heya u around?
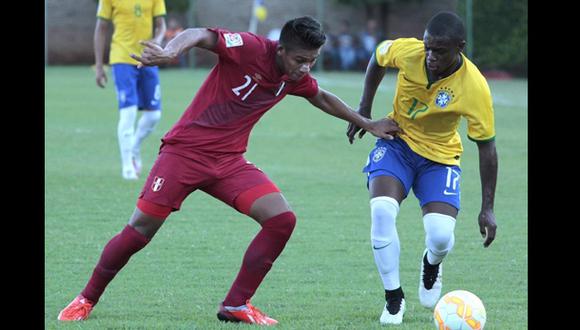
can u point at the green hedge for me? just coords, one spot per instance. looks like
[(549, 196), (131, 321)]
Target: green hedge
[(500, 33)]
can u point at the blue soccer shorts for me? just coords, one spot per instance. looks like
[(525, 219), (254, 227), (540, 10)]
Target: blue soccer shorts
[(430, 181), (138, 87)]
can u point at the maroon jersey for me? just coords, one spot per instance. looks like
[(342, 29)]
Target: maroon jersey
[(244, 84)]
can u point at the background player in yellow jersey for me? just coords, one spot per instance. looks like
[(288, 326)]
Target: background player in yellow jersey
[(137, 89), (436, 86)]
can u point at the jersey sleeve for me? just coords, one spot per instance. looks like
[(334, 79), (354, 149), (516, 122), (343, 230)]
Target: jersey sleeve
[(385, 53), (307, 87), (480, 117), (159, 8), (105, 9), (237, 47)]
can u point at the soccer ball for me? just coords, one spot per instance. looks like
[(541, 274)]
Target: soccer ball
[(459, 310)]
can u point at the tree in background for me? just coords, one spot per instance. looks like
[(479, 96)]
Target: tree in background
[(377, 9), (178, 6), (500, 33), (500, 30)]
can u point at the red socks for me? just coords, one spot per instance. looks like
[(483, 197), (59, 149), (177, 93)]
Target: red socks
[(114, 256), (262, 252), (259, 257)]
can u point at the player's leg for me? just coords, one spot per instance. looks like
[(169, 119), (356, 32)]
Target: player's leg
[(163, 192), (389, 183), (116, 253), (135, 236), (125, 76), (386, 194), (149, 92), (252, 193), (437, 188), (277, 220)]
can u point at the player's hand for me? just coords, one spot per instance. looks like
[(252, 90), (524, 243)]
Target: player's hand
[(100, 77), (353, 129), (385, 128), (153, 55), (487, 226)]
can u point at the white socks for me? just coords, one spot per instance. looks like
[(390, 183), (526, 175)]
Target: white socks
[(125, 133), (385, 240), (145, 126), (439, 237), (130, 141)]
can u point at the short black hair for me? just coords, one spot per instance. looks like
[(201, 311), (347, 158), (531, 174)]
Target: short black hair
[(447, 25), (302, 32)]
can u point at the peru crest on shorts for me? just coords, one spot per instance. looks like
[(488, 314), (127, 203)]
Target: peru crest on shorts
[(157, 183)]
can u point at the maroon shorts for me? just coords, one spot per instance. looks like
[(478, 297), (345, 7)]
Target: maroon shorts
[(174, 177)]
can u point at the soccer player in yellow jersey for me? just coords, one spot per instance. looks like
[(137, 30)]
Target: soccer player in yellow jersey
[(137, 88), (436, 86)]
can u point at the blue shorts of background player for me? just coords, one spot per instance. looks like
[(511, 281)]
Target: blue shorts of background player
[(138, 87), (431, 181)]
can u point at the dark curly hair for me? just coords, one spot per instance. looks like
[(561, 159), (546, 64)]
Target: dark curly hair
[(303, 33)]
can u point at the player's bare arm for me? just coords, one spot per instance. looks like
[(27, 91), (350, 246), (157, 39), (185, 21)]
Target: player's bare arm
[(154, 54), (385, 128), (373, 77), (160, 29), (101, 29), (488, 173)]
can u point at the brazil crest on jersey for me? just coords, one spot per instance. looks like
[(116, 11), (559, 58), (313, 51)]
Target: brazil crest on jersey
[(133, 21), (430, 113)]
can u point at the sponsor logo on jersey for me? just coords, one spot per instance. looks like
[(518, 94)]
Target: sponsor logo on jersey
[(379, 154), (385, 47), (157, 183), (233, 40)]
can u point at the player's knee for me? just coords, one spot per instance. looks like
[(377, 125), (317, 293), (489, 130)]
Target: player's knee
[(152, 117), (154, 210), (439, 230), (127, 118), (280, 229), (283, 224), (155, 115), (148, 217), (384, 212), (258, 201)]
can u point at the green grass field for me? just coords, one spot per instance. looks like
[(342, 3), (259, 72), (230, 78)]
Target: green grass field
[(326, 277)]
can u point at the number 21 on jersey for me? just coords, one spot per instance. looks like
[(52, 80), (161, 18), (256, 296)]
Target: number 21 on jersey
[(237, 90), (247, 82)]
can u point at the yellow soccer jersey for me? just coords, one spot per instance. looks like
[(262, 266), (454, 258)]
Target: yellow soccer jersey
[(430, 114), (133, 21)]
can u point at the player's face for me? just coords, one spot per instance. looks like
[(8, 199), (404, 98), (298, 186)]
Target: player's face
[(296, 63), (441, 53)]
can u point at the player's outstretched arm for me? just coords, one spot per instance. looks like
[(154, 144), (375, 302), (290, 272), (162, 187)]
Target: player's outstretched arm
[(488, 174), (385, 128), (154, 54), (373, 77)]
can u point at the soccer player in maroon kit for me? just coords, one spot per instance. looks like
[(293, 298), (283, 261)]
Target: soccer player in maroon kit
[(204, 150)]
